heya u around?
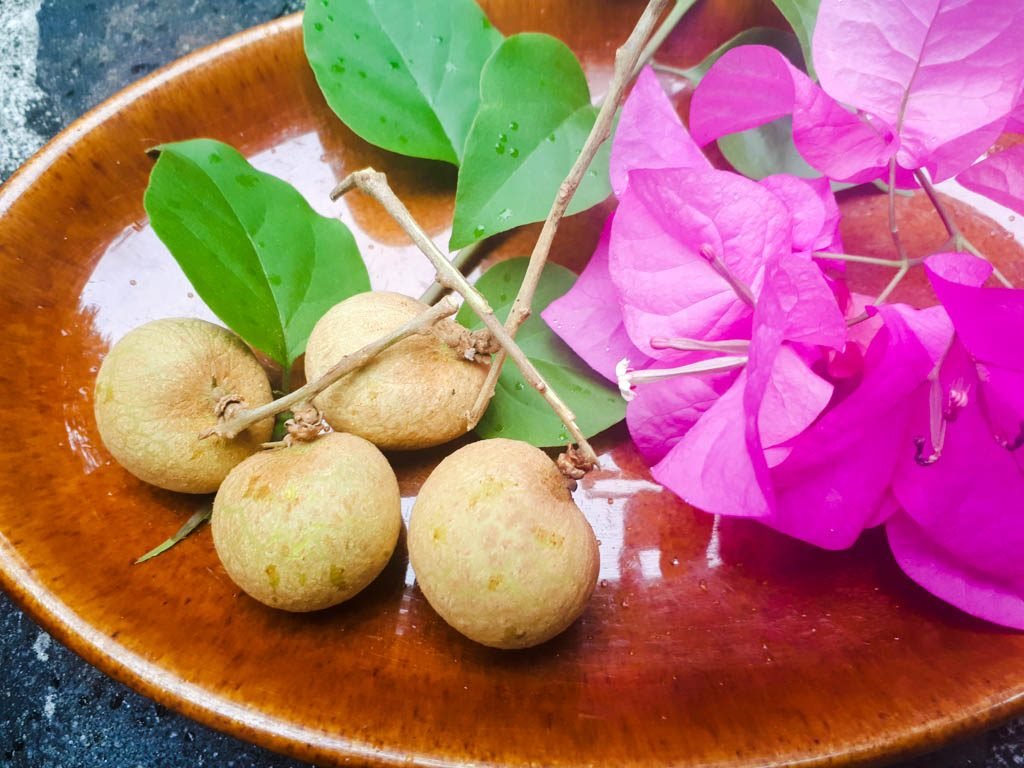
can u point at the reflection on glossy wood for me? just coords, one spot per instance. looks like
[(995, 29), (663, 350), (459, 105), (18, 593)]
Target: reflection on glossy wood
[(704, 645)]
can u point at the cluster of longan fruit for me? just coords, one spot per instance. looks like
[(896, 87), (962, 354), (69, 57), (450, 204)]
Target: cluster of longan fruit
[(499, 548)]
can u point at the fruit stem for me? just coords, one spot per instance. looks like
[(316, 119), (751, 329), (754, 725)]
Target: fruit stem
[(459, 260), (245, 418), (671, 20), (375, 184), (627, 58)]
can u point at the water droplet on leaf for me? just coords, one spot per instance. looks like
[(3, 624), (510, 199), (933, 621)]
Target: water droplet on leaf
[(479, 231), (513, 152), (505, 215)]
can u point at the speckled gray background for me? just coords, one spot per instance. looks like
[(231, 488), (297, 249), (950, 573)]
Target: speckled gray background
[(58, 58)]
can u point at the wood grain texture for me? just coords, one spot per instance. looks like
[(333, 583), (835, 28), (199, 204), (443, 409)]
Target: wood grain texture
[(762, 651)]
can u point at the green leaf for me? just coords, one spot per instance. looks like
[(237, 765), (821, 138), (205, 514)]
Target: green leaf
[(766, 150), (518, 411), (200, 516), (785, 42), (404, 76), (535, 114), (265, 262), (802, 15)]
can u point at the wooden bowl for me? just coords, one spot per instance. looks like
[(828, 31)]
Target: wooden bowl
[(704, 645)]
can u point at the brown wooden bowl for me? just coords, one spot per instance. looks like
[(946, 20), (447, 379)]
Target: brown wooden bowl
[(731, 646)]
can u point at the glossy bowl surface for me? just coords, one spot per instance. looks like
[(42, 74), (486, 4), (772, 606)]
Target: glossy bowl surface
[(710, 645)]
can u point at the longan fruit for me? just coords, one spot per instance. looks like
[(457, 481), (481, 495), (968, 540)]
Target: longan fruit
[(413, 395), (499, 548), (158, 389), (308, 526)]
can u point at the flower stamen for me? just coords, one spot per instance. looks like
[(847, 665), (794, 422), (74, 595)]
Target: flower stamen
[(726, 346), (628, 378), (741, 289)]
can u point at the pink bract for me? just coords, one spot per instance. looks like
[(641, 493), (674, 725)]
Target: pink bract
[(812, 208), (665, 220), (719, 465), (589, 316), (960, 533), (999, 177), (753, 84), (650, 134), (937, 71)]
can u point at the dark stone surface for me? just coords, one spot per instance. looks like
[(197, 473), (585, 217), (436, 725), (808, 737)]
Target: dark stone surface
[(55, 710)]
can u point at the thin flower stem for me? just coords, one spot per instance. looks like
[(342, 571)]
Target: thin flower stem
[(929, 189), (864, 259), (682, 74), (894, 230), (376, 185), (896, 280), (671, 20), (626, 58), (245, 418), (960, 242), (459, 260)]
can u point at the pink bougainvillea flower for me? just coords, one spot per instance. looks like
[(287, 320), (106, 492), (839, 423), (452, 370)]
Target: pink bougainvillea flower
[(999, 177), (961, 533), (650, 134), (836, 476), (830, 479), (753, 84), (718, 464), (934, 82), (941, 72), (682, 244)]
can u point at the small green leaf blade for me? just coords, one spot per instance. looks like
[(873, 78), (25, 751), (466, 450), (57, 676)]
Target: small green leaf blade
[(782, 41), (517, 410), (261, 258), (403, 76), (535, 115), (199, 517), (766, 150), (802, 15)]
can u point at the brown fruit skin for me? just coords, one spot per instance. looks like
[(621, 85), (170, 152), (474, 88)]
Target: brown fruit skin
[(413, 395), (499, 548), (309, 526), (157, 390)]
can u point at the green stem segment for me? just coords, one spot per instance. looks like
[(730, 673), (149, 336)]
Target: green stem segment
[(960, 242)]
